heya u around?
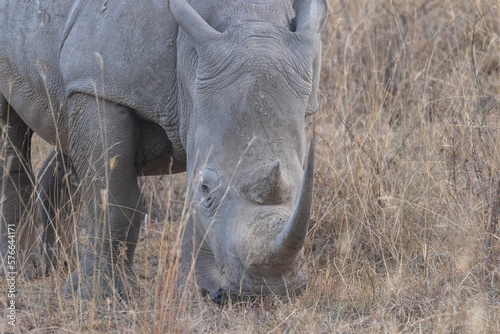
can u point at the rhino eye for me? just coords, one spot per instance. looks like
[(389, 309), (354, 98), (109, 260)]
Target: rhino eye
[(207, 188), (207, 196)]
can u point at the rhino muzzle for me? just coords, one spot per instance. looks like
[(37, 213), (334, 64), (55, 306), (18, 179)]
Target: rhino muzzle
[(270, 246)]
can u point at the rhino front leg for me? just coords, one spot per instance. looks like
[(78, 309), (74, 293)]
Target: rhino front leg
[(103, 141), (56, 201), (17, 229)]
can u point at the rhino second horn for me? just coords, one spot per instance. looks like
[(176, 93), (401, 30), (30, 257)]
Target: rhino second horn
[(265, 185), (291, 240)]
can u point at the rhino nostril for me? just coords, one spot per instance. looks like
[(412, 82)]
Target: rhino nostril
[(222, 297)]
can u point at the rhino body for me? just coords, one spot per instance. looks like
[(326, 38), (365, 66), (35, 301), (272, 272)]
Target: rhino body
[(219, 89)]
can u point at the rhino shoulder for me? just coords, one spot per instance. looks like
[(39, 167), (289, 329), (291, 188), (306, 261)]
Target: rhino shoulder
[(122, 51)]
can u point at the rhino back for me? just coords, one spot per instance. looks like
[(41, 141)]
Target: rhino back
[(124, 52), (29, 72)]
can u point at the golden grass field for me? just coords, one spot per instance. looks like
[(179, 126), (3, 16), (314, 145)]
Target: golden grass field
[(405, 235)]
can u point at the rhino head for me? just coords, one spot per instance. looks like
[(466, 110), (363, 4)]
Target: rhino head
[(246, 84)]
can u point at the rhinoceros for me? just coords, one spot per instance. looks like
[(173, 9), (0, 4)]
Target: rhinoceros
[(218, 89)]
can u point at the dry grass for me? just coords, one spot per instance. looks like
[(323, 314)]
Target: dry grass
[(405, 230)]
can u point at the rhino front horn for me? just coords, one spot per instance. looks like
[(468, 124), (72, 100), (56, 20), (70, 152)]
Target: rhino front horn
[(292, 238)]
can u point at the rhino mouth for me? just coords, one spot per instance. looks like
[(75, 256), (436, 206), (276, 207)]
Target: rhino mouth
[(224, 296), (250, 287)]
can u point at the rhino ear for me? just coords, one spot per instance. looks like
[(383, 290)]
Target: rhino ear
[(191, 22), (310, 15), (313, 103)]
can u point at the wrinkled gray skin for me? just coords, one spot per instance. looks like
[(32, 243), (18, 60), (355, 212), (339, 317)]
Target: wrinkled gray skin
[(224, 98)]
